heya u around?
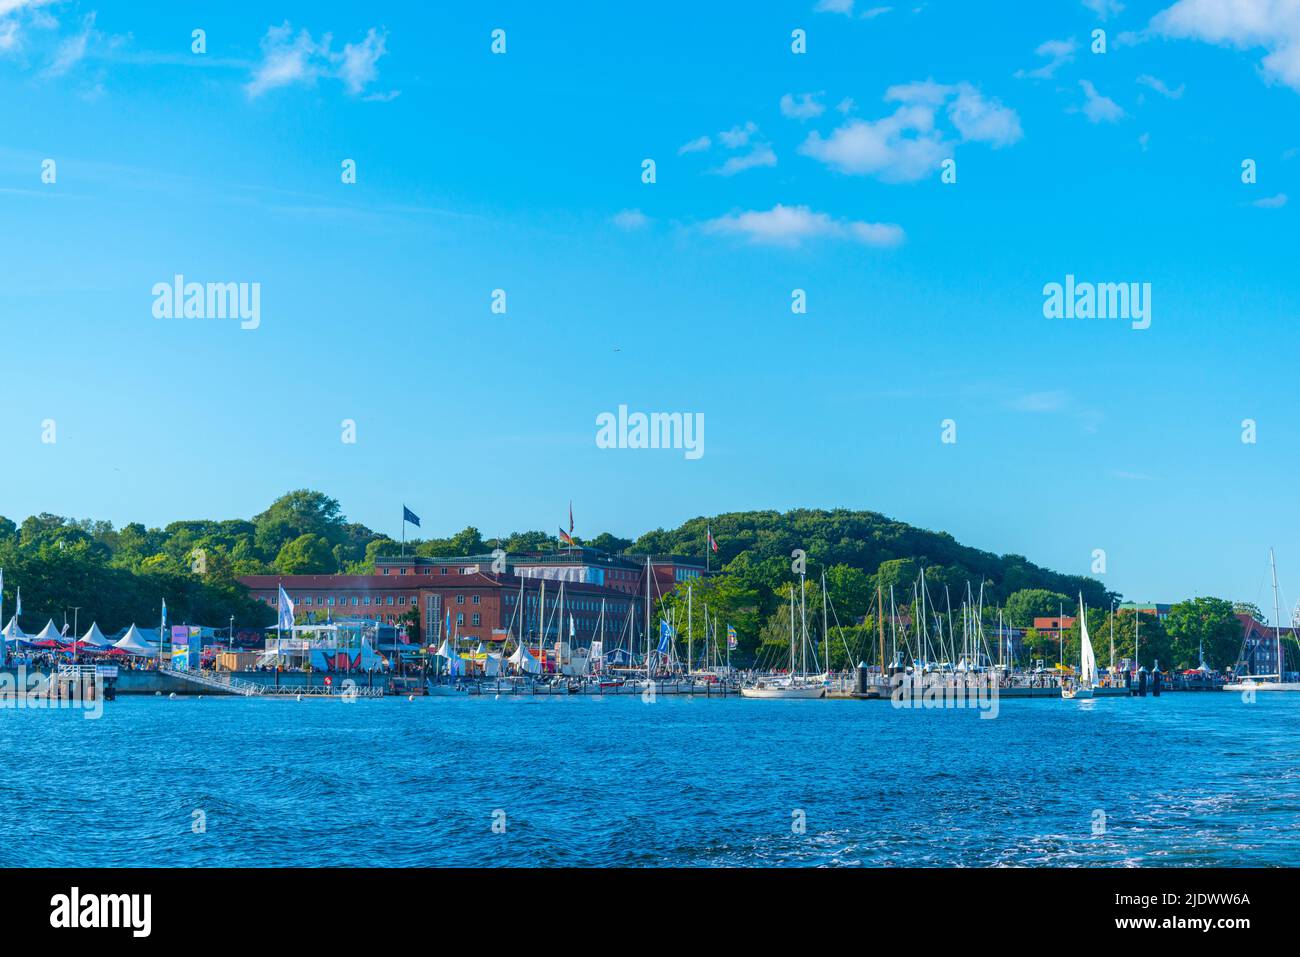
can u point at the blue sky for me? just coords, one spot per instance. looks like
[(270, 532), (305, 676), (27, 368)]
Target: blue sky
[(522, 171)]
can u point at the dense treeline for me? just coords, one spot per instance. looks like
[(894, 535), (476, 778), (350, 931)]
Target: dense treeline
[(118, 576)]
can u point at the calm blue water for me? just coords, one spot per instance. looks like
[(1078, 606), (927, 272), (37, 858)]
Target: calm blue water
[(1182, 780)]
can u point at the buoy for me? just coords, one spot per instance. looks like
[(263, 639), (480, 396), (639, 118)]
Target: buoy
[(172, 696), (299, 697), (410, 697), (157, 694)]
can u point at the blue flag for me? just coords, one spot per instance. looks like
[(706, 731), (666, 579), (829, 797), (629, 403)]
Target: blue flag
[(665, 637), (409, 516)]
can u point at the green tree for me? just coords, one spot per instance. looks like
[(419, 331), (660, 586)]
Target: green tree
[(1022, 607), (1204, 622), (305, 555)]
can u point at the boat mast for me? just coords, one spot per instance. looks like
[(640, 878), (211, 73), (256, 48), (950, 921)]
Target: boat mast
[(880, 623), (1137, 630), (1112, 639), (803, 622), (826, 630), (541, 626), (792, 630), (1277, 616), (649, 570), (690, 643)]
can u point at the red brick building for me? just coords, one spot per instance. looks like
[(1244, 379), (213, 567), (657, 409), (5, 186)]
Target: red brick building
[(482, 606)]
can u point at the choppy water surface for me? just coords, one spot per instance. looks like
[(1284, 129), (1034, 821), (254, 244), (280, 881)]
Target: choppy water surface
[(1186, 779)]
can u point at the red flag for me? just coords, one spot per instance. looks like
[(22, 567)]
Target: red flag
[(713, 542)]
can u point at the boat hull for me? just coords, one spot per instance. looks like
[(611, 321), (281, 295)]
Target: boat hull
[(1076, 693), (1263, 686), (777, 692)]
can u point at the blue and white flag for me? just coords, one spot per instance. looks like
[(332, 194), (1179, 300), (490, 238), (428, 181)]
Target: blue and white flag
[(286, 610), (18, 602), (409, 516), (665, 637)]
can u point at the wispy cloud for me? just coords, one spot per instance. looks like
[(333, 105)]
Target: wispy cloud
[(1160, 87), (1271, 202), (907, 145), (737, 138), (1052, 401), (1104, 9), (1098, 108), (292, 58), (630, 219), (1058, 53), (761, 155), (804, 106), (792, 225), (71, 50)]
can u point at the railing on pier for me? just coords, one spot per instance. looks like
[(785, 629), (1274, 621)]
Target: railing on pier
[(240, 686)]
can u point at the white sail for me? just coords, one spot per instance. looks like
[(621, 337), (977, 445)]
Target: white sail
[(1087, 660)]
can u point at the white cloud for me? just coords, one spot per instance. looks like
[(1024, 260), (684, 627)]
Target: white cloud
[(698, 145), (1144, 141), (1160, 87), (630, 219), (801, 107), (845, 105), (900, 148), (919, 91), (875, 12), (290, 59), (907, 145), (1273, 25), (9, 36), (738, 136), (761, 155), (1098, 108), (1052, 401), (286, 60), (834, 6), (1104, 8), (983, 121), (71, 50), (358, 64), (1271, 202), (1059, 52), (791, 225)]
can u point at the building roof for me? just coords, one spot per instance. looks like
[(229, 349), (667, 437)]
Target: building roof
[(327, 583)]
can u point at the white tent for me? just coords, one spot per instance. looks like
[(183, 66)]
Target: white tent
[(454, 664), (96, 637), (12, 632), (134, 643), (523, 660), (48, 633)]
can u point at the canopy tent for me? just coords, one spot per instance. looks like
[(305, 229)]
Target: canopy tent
[(454, 665), (48, 633), (133, 643), (94, 638), (12, 632), (523, 660)]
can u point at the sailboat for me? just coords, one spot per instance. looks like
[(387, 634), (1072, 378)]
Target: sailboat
[(1273, 682), (791, 685), (1087, 661)]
